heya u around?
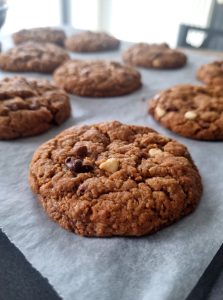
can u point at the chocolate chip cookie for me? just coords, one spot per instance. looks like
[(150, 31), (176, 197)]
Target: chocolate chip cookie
[(29, 107), (211, 73), (192, 111), (97, 78), (89, 41), (40, 35), (114, 179), (33, 57), (158, 56)]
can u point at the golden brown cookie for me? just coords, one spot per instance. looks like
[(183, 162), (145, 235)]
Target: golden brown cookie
[(211, 73), (158, 56), (40, 35), (90, 41), (97, 78), (30, 106), (192, 111), (112, 179), (33, 57)]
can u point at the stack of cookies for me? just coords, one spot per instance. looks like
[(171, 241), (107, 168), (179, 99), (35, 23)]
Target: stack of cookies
[(110, 178)]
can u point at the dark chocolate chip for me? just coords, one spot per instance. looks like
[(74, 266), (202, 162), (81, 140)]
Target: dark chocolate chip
[(69, 162), (76, 166), (171, 108), (81, 151), (87, 168)]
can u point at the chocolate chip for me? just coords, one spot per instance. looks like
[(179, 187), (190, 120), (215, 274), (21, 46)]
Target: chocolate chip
[(87, 168), (172, 108), (76, 166), (69, 162), (81, 151)]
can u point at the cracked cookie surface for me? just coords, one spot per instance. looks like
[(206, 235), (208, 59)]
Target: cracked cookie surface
[(211, 73), (158, 56), (138, 181), (97, 78), (29, 107), (33, 57), (40, 35), (191, 111), (90, 41)]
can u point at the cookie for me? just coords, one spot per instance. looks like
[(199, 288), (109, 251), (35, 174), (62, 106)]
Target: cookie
[(158, 56), (191, 111), (33, 57), (211, 73), (40, 35), (30, 106), (97, 78), (89, 41), (112, 179)]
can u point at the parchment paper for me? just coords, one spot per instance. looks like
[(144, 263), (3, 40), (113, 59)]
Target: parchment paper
[(165, 265)]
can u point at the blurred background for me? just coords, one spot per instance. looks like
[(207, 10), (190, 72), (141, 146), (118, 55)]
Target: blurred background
[(130, 20)]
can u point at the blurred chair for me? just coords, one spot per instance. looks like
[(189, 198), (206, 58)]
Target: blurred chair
[(213, 38), (3, 11), (65, 6)]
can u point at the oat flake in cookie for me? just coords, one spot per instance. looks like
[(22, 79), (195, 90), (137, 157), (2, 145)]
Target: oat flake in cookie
[(90, 41), (114, 179), (97, 78), (211, 73), (30, 106), (33, 57), (158, 56), (40, 35), (191, 111)]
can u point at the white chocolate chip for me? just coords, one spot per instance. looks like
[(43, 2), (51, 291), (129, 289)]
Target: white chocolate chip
[(191, 115), (155, 151), (160, 112), (110, 165)]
